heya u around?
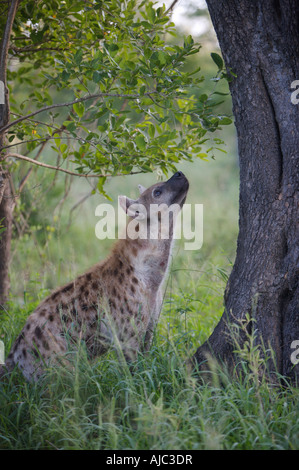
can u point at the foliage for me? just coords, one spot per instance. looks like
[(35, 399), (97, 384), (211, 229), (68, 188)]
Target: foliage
[(107, 88)]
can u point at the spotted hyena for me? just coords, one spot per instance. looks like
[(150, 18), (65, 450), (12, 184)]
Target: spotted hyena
[(118, 299)]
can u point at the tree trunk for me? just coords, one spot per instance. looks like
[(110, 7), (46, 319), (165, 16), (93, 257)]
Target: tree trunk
[(5, 192), (5, 239), (260, 43)]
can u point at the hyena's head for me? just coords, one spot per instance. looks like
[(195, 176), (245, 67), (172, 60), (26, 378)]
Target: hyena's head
[(157, 207)]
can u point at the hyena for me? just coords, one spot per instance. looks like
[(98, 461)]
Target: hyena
[(118, 299)]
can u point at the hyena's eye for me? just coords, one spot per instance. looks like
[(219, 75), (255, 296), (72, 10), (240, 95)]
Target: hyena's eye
[(157, 192)]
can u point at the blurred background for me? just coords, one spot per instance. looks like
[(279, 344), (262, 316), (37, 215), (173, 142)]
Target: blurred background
[(57, 240)]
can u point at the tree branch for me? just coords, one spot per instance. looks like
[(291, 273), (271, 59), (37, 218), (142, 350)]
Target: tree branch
[(70, 103), (52, 167), (171, 7), (81, 201), (4, 46), (43, 144), (6, 39), (34, 49), (25, 178)]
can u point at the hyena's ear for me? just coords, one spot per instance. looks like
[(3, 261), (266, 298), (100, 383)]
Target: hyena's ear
[(141, 188), (125, 203)]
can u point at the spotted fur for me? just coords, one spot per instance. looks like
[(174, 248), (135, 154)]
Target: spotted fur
[(119, 298)]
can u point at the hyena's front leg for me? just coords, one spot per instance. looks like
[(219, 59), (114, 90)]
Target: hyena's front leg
[(148, 337)]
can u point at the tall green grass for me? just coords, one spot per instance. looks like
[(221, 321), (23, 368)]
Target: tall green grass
[(156, 402)]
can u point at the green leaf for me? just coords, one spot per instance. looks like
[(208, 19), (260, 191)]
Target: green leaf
[(151, 13), (65, 76), (225, 121), (63, 147), (70, 125), (79, 109), (220, 93), (151, 130), (96, 77), (140, 142), (188, 41), (218, 60), (78, 56), (162, 57), (100, 187)]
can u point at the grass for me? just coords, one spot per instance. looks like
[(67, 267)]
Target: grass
[(154, 405), (157, 403)]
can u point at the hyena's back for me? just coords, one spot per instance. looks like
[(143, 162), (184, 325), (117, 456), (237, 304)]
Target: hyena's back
[(90, 308)]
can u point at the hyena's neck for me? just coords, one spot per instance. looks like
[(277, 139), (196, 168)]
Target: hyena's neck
[(148, 258)]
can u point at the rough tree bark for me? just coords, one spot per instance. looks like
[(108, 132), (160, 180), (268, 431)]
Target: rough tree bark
[(5, 192), (260, 43)]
